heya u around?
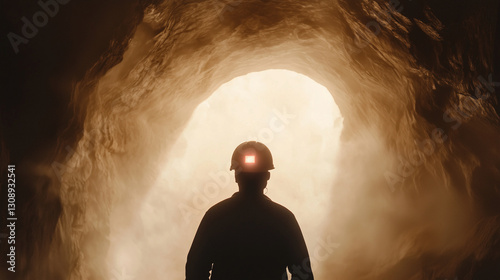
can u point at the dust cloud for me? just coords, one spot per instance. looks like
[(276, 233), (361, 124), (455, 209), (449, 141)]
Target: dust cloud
[(290, 113)]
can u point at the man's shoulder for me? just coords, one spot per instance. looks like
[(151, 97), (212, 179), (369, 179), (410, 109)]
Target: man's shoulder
[(280, 208), (235, 202), (222, 205)]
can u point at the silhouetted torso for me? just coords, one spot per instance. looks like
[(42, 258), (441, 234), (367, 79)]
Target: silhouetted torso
[(248, 237)]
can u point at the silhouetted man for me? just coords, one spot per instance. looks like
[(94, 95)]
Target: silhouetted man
[(248, 236)]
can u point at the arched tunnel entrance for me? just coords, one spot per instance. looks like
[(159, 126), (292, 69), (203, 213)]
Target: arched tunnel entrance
[(290, 113), (107, 124)]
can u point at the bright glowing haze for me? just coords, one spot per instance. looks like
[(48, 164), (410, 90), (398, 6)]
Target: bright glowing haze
[(290, 113)]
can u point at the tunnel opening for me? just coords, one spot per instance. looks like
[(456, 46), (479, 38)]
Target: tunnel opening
[(292, 114)]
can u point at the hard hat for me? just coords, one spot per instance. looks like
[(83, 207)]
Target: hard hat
[(252, 156)]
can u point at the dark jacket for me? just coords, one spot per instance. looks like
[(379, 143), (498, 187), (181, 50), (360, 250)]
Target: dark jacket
[(248, 237)]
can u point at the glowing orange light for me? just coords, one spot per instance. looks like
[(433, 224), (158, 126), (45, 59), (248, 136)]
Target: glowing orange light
[(249, 159)]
